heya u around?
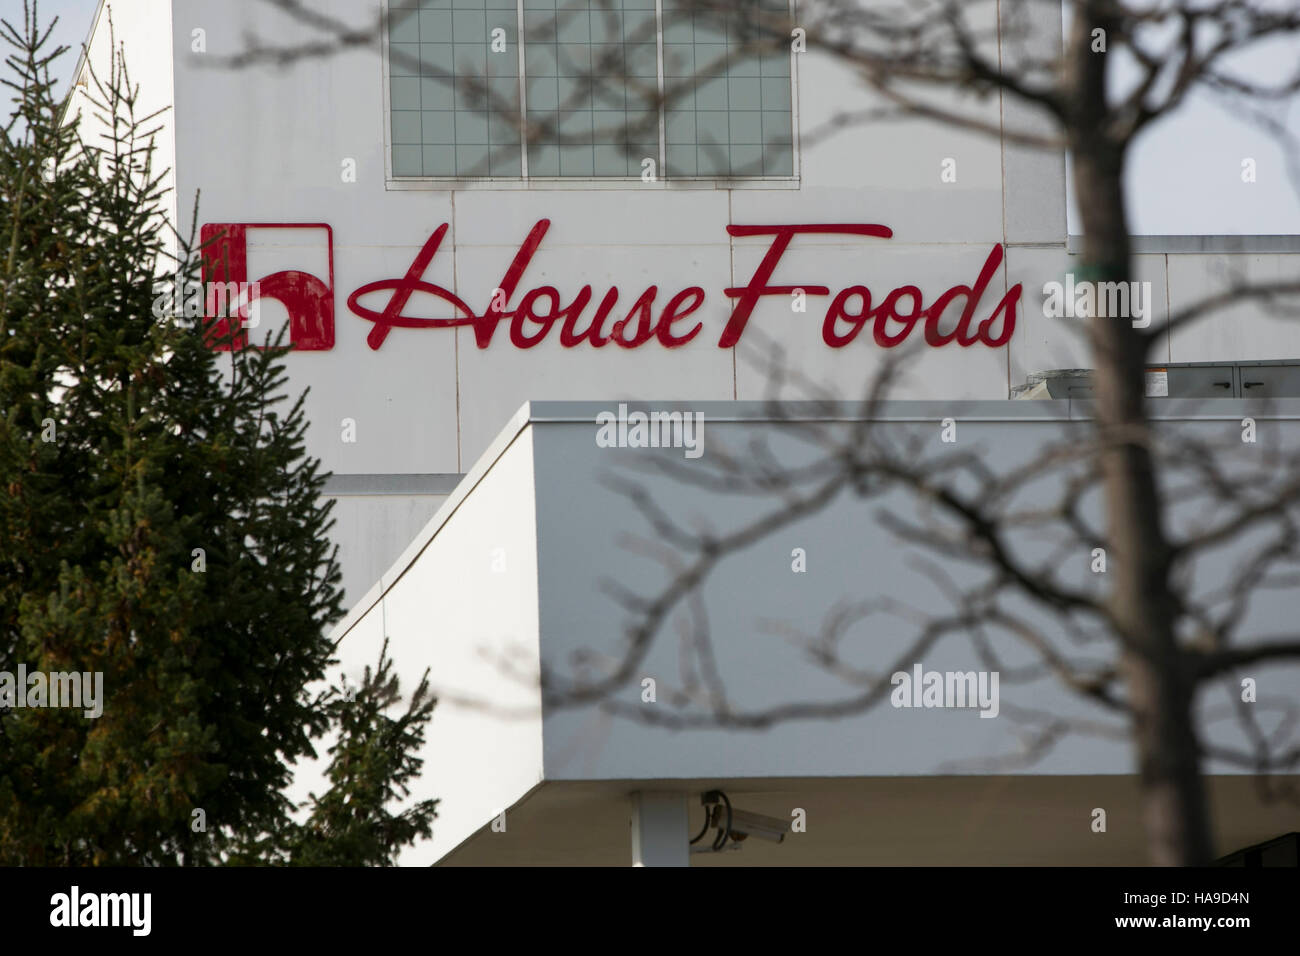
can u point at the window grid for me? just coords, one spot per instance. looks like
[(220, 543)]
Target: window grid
[(736, 121), (662, 159)]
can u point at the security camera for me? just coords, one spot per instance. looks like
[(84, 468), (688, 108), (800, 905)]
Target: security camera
[(735, 826), (746, 824)]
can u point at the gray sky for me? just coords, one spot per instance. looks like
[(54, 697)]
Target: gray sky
[(72, 28), (1185, 174)]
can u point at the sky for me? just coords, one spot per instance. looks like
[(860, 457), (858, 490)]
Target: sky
[(71, 30), (1186, 174)]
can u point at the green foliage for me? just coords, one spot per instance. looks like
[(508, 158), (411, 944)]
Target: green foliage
[(371, 763), (126, 443)]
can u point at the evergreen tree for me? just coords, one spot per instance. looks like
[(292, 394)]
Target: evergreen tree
[(371, 763), (160, 524)]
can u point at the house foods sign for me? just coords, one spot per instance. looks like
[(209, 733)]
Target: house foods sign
[(531, 314)]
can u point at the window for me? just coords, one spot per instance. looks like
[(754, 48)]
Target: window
[(605, 89)]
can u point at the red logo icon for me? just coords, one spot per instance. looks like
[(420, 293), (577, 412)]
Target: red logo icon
[(308, 298)]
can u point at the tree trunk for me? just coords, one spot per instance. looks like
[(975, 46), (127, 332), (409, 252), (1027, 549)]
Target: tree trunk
[(1160, 691)]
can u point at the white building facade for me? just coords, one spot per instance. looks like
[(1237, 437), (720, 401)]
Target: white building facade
[(437, 277)]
